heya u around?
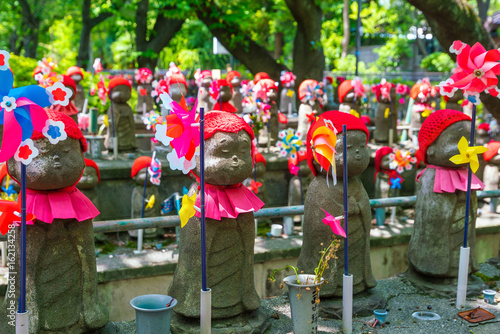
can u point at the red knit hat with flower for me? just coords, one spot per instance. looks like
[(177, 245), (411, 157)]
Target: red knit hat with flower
[(70, 127), (303, 87), (117, 81), (433, 126), (381, 152), (230, 76), (91, 163), (338, 119), (268, 84), (223, 121), (177, 78), (344, 88), (68, 82), (493, 149), (140, 163), (484, 126)]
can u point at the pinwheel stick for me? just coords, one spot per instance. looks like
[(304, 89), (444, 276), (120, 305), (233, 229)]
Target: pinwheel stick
[(140, 233), (86, 102), (22, 299), (346, 239), (469, 178)]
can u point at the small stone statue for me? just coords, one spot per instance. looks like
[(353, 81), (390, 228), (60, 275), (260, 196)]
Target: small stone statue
[(119, 91), (310, 106), (269, 97), (61, 277), (258, 177), (387, 114), (91, 177), (323, 194), (492, 171), (221, 92), (452, 102), (76, 73), (230, 227), (204, 80), (421, 93), (140, 176), (69, 109), (350, 94), (11, 189), (145, 102), (234, 78), (288, 104), (296, 191), (434, 247)]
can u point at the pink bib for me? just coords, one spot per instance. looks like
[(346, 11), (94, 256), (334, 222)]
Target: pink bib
[(448, 180)]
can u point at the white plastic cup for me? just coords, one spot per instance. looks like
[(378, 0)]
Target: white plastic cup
[(276, 230)]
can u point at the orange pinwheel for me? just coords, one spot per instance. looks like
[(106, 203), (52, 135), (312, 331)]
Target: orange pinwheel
[(10, 213), (324, 137)]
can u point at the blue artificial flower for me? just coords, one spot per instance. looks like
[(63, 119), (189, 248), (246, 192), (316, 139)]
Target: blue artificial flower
[(54, 131)]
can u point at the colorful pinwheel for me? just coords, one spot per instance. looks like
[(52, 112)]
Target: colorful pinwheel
[(323, 139), (477, 71), (154, 170), (401, 161), (334, 223), (468, 154), (21, 112), (97, 66), (254, 186), (287, 79), (10, 213), (143, 76), (289, 142)]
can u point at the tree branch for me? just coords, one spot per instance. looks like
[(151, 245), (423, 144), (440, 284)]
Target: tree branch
[(254, 56), (99, 19)]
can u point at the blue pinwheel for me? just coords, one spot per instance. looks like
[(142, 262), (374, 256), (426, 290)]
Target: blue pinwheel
[(395, 183), (21, 112)]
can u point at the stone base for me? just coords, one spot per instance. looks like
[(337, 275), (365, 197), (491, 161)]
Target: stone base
[(122, 327), (256, 322), (443, 287), (363, 305)]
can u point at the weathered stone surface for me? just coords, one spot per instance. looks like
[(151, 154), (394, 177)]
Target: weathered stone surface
[(123, 117), (329, 197), (363, 304), (229, 242), (79, 99), (237, 97), (434, 248), (382, 123), (141, 99), (274, 125), (288, 103)]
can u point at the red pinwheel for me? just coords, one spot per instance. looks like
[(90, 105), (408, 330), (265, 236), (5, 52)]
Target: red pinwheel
[(254, 186), (21, 112), (143, 76), (477, 71), (185, 136), (10, 213)]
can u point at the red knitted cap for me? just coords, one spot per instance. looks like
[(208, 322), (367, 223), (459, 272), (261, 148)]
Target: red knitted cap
[(70, 127), (206, 73), (116, 81), (484, 126), (344, 89), (260, 158), (230, 76), (68, 82), (91, 163), (140, 163), (72, 70), (259, 76), (492, 146), (268, 84), (303, 87), (434, 125), (177, 78), (338, 119)]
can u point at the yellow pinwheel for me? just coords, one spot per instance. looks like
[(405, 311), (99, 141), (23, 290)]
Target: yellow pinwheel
[(187, 210), (151, 202), (468, 154)]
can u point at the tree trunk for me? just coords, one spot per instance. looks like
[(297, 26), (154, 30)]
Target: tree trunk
[(278, 45), (347, 29), (159, 37), (254, 56), (482, 8), (88, 23), (461, 23), (32, 26), (308, 55)]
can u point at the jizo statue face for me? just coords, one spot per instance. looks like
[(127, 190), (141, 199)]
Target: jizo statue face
[(120, 94), (76, 78), (56, 166), (225, 93), (140, 176), (358, 156), (236, 81), (176, 91), (272, 95), (446, 145), (228, 158)]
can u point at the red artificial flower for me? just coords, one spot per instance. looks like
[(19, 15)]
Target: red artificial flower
[(254, 186), (25, 152), (59, 94)]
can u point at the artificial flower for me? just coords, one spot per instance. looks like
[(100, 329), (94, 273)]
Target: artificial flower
[(289, 142), (97, 66), (26, 152), (254, 186), (54, 131), (59, 94), (4, 60)]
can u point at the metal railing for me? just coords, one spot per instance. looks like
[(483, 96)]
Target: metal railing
[(122, 225)]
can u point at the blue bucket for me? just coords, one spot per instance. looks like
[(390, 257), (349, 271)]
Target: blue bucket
[(380, 216), (152, 315), (380, 315)]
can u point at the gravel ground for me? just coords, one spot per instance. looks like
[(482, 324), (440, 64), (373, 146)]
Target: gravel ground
[(403, 300)]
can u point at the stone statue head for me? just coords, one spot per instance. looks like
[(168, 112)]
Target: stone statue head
[(228, 149), (177, 91), (76, 78), (120, 90), (57, 165), (140, 171), (236, 81), (91, 176), (225, 93)]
